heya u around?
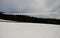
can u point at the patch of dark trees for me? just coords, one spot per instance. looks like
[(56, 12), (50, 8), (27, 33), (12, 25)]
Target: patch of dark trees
[(24, 18)]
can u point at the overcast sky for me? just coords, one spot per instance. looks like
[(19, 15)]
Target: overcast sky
[(50, 8), (29, 5)]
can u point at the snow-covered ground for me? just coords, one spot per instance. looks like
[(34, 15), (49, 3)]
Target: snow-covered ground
[(28, 30), (2, 20), (34, 8)]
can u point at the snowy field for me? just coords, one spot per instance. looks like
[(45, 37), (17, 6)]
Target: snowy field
[(1, 20), (33, 8), (28, 30)]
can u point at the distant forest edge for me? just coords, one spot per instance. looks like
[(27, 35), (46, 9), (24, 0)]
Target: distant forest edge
[(25, 18)]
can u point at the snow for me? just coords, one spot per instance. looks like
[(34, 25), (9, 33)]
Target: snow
[(28, 30), (34, 8), (2, 20)]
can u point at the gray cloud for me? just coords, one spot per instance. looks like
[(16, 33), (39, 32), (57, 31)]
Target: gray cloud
[(31, 6), (27, 5)]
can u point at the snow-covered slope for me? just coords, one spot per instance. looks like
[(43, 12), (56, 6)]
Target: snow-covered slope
[(28, 30), (2, 20)]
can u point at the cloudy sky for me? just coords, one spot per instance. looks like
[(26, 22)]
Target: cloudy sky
[(29, 5), (41, 7)]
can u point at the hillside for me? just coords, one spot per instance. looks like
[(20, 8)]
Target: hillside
[(24, 18)]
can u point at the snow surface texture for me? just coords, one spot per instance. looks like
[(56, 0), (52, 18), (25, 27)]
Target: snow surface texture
[(35, 8), (28, 30)]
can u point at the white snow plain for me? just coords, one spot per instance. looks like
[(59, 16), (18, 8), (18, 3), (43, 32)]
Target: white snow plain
[(28, 30)]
